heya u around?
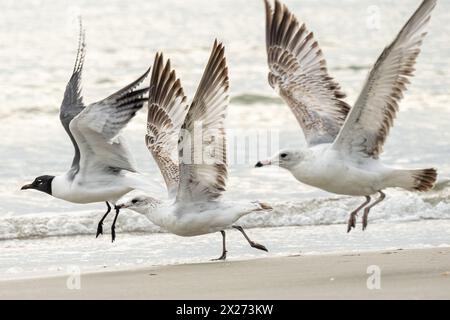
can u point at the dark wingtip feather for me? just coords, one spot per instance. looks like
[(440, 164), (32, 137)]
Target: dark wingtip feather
[(216, 72), (164, 84), (79, 61), (131, 88)]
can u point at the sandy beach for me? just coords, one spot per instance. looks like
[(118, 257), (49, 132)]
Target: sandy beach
[(404, 274)]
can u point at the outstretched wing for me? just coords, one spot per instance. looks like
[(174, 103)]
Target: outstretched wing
[(167, 110), (97, 130), (298, 73), (372, 117), (203, 159), (72, 103)]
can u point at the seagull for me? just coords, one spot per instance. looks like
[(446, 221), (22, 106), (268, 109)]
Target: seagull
[(344, 144), (196, 175), (103, 168)]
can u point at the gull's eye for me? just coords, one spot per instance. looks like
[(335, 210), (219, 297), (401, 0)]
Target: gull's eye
[(283, 155), (134, 201)]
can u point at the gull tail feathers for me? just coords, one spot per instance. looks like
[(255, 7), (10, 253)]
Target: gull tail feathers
[(414, 180)]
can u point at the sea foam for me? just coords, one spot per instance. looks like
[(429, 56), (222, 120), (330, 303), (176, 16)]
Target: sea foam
[(399, 206)]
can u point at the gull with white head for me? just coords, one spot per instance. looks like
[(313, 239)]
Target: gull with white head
[(344, 144), (196, 175)]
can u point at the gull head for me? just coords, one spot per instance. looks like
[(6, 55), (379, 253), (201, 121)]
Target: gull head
[(139, 203), (286, 159), (42, 184)]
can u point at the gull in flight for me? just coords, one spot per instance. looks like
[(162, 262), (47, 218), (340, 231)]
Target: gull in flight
[(344, 144), (196, 175), (102, 169)]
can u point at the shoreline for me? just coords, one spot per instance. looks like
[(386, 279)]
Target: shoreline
[(404, 274), (22, 259)]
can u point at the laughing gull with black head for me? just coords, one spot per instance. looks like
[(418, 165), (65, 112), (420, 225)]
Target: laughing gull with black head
[(103, 169), (344, 145)]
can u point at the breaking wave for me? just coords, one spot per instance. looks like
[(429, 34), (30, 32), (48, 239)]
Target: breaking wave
[(399, 207)]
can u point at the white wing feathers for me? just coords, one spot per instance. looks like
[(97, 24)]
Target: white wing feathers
[(372, 117), (97, 128), (203, 159)]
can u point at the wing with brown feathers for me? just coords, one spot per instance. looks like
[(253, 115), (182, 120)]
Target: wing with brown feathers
[(167, 110), (203, 158), (299, 74)]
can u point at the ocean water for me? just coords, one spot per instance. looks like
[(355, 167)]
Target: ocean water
[(38, 40)]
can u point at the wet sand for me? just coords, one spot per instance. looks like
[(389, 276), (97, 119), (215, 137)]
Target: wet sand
[(409, 274)]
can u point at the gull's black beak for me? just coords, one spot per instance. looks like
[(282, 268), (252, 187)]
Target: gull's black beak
[(259, 165), (27, 187)]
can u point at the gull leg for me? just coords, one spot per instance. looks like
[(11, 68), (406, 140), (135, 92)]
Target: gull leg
[(354, 215), (367, 210), (252, 243), (113, 227), (224, 252), (100, 224)]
